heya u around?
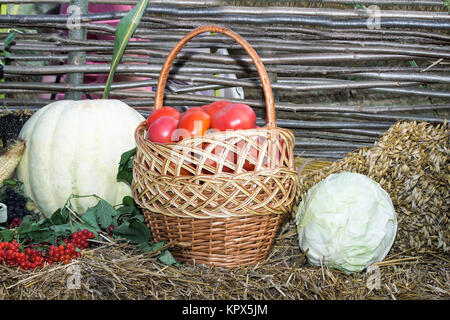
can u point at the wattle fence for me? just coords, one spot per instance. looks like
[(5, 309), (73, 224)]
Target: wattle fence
[(342, 72)]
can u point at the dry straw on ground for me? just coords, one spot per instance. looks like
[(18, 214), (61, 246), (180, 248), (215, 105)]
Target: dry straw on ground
[(121, 271)]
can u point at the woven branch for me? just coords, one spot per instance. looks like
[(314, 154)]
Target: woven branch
[(353, 71)]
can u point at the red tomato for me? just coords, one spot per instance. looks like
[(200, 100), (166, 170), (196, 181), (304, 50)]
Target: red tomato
[(266, 162), (161, 129), (231, 158), (161, 112), (194, 123), (179, 134), (212, 108), (234, 117), (193, 109), (183, 171), (219, 151), (252, 152)]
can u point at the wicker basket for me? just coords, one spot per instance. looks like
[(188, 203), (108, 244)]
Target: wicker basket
[(218, 199)]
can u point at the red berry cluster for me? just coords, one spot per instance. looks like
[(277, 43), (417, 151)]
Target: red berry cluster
[(28, 259), (61, 253), (80, 239), (31, 258)]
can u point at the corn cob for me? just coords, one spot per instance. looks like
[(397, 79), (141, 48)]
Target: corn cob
[(10, 158)]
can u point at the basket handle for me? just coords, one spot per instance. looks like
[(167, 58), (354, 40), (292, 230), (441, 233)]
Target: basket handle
[(270, 107)]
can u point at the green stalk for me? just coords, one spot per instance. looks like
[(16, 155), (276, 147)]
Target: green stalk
[(124, 31)]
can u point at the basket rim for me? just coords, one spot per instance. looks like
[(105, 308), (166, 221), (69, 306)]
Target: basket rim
[(185, 144), (140, 132)]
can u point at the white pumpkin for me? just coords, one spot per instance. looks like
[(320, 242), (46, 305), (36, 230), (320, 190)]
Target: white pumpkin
[(74, 147)]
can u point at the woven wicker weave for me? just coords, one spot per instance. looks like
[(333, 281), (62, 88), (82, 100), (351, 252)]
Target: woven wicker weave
[(218, 198)]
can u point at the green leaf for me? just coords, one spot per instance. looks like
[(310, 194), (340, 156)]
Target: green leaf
[(12, 183), (35, 231), (78, 226), (105, 213), (125, 175), (135, 232), (129, 207), (127, 156), (124, 31), (27, 226), (126, 210), (128, 201), (62, 230), (115, 222), (40, 236), (167, 258), (6, 235), (90, 217), (147, 247), (44, 223), (100, 216), (60, 216), (139, 218), (125, 172), (413, 64), (10, 38)]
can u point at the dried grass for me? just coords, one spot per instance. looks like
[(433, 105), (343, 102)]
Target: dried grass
[(121, 271)]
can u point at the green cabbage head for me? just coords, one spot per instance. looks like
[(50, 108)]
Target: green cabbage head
[(347, 221)]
